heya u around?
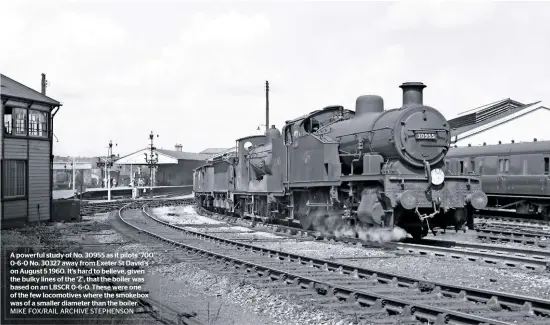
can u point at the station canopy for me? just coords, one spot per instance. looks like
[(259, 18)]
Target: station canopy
[(138, 158), (68, 165)]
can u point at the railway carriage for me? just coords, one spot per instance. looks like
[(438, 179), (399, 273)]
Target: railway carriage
[(514, 176), (333, 167)]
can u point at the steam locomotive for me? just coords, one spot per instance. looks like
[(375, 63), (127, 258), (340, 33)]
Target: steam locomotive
[(372, 167)]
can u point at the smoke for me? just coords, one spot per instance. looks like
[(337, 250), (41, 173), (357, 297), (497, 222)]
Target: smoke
[(333, 224)]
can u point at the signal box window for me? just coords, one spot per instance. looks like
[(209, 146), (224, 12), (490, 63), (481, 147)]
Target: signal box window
[(14, 180), (15, 121), (38, 124)]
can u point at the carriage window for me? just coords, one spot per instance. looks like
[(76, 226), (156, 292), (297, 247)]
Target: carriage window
[(501, 165), (472, 166), (546, 165), (481, 167), (506, 165), (462, 167)]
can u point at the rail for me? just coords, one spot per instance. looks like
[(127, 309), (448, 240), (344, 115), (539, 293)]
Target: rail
[(421, 311)]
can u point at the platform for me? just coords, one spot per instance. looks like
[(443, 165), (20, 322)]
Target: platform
[(126, 192), (123, 192)]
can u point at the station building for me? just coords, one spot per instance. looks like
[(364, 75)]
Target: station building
[(26, 153), (175, 167)]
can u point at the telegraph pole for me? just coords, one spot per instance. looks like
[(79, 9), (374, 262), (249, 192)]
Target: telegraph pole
[(152, 160), (266, 106)]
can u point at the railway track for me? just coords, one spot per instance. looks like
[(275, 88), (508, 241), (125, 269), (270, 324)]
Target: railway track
[(538, 260), (517, 226), (511, 234), (88, 208), (491, 254), (517, 231), (368, 294), (509, 216)]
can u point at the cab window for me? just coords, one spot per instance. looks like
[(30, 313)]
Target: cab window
[(311, 125), (288, 135)]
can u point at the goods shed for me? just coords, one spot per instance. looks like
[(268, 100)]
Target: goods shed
[(26, 153), (504, 121)]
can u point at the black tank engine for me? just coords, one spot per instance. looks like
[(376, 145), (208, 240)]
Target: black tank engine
[(371, 167)]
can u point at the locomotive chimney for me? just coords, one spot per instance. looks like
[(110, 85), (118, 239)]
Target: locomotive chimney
[(412, 93), (43, 84)]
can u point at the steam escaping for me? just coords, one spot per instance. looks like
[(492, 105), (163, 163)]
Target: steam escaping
[(334, 224)]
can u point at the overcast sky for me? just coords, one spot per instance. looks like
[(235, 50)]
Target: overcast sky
[(194, 72)]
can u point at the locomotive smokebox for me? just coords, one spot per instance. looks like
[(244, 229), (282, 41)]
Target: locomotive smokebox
[(412, 93), (369, 104)]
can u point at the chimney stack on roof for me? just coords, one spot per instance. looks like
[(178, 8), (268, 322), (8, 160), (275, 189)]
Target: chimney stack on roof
[(178, 147)]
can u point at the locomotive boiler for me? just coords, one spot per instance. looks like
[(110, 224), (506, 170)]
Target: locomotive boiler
[(370, 167)]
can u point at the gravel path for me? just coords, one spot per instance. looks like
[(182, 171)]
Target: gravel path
[(327, 250), (182, 215), (187, 196)]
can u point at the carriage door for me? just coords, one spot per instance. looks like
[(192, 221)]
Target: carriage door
[(546, 177), (503, 169)]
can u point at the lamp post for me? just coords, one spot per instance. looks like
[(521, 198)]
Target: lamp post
[(107, 163), (266, 106), (73, 175), (152, 159), (65, 171)]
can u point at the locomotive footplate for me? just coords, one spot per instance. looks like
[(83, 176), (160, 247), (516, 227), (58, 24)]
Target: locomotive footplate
[(415, 193)]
